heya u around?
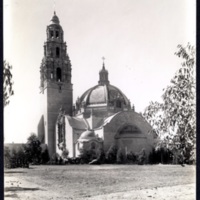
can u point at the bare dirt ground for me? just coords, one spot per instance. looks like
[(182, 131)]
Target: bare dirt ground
[(160, 182)]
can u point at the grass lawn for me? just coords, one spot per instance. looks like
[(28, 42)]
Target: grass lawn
[(101, 182)]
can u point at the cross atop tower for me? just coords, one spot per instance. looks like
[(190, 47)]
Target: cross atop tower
[(103, 58), (54, 6)]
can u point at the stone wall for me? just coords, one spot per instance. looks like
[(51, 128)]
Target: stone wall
[(135, 141), (54, 98)]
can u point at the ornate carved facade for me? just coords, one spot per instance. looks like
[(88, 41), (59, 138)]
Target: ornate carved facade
[(61, 130), (56, 65)]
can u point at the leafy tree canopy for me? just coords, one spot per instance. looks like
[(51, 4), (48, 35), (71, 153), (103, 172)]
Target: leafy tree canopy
[(7, 83), (33, 149), (174, 119)]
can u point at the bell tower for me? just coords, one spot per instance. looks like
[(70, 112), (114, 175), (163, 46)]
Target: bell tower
[(55, 83)]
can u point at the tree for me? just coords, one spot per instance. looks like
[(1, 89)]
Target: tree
[(45, 156), (7, 83), (154, 115), (174, 119), (33, 149), (7, 156)]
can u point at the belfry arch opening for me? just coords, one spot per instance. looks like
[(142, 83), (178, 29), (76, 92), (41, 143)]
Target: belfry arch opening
[(57, 34), (59, 74), (57, 52), (51, 34)]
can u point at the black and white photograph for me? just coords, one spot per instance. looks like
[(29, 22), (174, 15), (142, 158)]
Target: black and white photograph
[(99, 99)]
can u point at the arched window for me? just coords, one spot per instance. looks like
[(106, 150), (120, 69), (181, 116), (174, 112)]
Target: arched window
[(57, 34), (118, 104), (57, 52), (51, 34), (129, 129), (58, 74)]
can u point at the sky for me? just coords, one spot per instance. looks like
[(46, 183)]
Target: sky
[(137, 38)]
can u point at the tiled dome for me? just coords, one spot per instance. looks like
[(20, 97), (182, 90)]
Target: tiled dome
[(104, 98), (88, 135), (103, 94)]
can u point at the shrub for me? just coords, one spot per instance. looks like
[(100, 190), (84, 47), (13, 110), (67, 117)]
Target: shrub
[(120, 156), (45, 156), (141, 157), (167, 156), (162, 155), (101, 156), (65, 154), (21, 157), (87, 155), (15, 158), (7, 157), (111, 154), (177, 157), (131, 157), (72, 161), (55, 159), (153, 157)]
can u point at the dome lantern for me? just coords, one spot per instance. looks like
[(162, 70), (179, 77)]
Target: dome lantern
[(103, 75)]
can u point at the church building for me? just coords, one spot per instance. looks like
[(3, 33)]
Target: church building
[(101, 117)]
